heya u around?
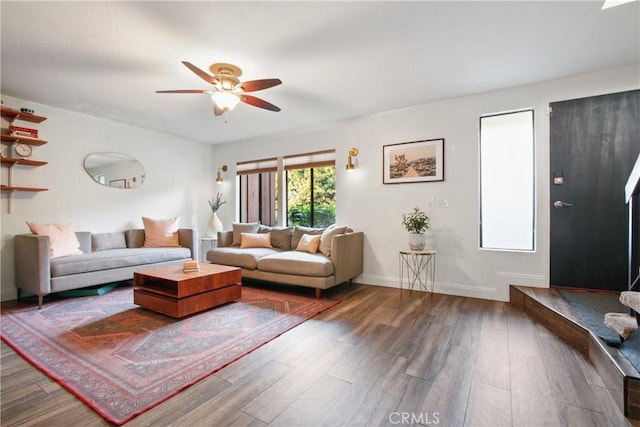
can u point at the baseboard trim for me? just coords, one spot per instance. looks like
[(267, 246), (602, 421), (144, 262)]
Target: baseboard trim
[(8, 295), (441, 288)]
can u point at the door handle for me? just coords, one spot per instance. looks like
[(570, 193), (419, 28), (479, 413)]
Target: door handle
[(561, 204)]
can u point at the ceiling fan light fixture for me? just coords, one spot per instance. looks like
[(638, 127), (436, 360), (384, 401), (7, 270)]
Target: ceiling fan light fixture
[(225, 100), (227, 89)]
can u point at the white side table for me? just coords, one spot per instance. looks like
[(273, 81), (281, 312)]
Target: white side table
[(207, 243), (418, 269)]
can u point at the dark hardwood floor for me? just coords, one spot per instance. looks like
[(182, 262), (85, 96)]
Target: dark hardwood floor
[(381, 357)]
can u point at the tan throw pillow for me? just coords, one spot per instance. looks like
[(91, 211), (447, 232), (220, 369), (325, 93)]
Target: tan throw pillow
[(256, 240), (327, 238), (309, 243), (298, 232), (62, 238), (160, 233), (243, 227)]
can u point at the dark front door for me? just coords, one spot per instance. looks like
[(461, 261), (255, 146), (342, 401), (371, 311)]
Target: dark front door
[(594, 143)]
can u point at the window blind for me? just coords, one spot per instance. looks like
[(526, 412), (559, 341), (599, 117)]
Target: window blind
[(310, 160), (257, 166)]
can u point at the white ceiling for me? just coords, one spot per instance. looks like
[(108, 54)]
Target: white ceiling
[(337, 60)]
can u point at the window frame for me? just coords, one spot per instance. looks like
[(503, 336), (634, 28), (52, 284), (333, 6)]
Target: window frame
[(532, 240), (279, 166)]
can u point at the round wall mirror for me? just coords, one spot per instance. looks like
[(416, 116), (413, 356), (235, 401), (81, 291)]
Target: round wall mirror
[(114, 170)]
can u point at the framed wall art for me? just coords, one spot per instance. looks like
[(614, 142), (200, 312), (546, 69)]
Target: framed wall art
[(416, 161)]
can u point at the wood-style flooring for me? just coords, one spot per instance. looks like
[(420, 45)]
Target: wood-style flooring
[(380, 358)]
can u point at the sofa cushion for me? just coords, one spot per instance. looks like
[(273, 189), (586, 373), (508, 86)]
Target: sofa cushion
[(280, 236), (115, 258), (327, 237), (243, 258), (104, 241), (256, 240), (309, 243), (161, 232), (298, 232), (62, 239), (243, 227), (297, 263), (134, 238)]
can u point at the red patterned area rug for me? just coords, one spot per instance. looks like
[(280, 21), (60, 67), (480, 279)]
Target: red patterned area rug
[(122, 360)]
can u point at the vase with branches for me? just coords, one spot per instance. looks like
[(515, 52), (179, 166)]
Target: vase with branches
[(214, 225), (216, 203)]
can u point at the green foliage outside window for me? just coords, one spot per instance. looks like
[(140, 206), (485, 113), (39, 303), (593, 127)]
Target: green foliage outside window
[(309, 208)]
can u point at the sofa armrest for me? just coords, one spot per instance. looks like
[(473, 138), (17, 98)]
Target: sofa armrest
[(225, 239), (347, 255), (188, 238), (32, 264)]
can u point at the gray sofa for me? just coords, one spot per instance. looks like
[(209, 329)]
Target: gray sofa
[(106, 258), (283, 264)]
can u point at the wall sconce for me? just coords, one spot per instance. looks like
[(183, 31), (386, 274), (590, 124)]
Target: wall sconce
[(219, 179), (352, 153)]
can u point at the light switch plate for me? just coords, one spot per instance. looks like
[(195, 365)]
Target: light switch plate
[(443, 202)]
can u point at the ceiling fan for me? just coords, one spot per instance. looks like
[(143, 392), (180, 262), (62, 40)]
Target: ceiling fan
[(227, 89)]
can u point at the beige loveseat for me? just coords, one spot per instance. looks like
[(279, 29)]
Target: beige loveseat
[(338, 259), (105, 258)]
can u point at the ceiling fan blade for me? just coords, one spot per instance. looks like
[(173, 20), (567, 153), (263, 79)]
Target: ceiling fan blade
[(257, 102), (255, 85), (184, 91), (202, 74), (217, 110)]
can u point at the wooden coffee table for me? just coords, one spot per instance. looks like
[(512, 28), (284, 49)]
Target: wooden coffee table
[(170, 291)]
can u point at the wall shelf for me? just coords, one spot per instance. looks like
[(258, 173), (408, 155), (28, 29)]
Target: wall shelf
[(12, 114), (30, 189), (26, 162), (9, 115), (12, 139)]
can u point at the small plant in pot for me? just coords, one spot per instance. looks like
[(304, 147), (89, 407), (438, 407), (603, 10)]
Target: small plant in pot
[(416, 223)]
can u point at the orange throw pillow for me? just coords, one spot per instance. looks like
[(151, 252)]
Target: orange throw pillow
[(256, 240), (62, 238), (161, 233), (309, 243)]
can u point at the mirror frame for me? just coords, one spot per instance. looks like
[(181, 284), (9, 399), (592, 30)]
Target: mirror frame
[(114, 170)]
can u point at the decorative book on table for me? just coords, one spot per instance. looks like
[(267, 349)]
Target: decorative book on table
[(191, 265)]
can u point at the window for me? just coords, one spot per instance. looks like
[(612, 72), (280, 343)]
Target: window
[(311, 191), (507, 185), (257, 184)]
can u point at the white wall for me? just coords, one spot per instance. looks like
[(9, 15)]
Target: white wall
[(365, 204), (180, 174), (179, 180)]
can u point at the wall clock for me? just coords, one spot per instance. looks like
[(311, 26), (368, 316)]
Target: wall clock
[(23, 150)]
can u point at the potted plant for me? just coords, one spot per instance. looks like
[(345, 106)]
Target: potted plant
[(214, 225), (416, 223)]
